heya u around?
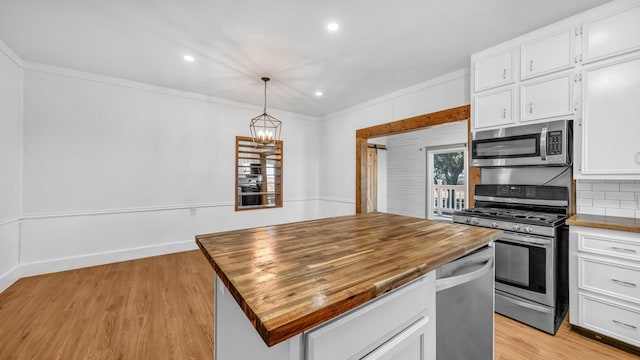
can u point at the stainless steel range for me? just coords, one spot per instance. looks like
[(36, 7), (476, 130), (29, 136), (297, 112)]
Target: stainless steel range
[(532, 255)]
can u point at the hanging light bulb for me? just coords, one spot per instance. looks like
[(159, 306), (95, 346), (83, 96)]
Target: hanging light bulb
[(265, 129)]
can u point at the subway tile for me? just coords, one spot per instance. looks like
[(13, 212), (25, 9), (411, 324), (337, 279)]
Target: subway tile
[(630, 187), (587, 202), (637, 214), (613, 195), (620, 181), (620, 212), (629, 204), (590, 210), (592, 181), (584, 186), (606, 187), (591, 194), (607, 203)]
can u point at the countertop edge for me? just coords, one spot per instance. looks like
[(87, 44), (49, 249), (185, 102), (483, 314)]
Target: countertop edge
[(605, 222)]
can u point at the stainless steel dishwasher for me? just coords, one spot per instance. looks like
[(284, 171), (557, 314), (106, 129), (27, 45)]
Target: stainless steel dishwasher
[(464, 307)]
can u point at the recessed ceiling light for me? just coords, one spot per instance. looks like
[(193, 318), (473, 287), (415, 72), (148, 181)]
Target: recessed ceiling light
[(188, 58), (318, 93), (333, 26)]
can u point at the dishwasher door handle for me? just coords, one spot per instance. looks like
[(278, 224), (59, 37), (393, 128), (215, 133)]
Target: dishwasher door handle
[(449, 282)]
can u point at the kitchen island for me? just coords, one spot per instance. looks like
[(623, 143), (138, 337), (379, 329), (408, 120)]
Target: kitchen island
[(290, 280)]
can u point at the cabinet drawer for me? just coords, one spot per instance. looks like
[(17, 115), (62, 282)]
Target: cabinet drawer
[(622, 246), (614, 320), (611, 279), (547, 98), (366, 328)]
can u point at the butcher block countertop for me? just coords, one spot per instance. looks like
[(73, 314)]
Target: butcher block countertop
[(289, 278), (605, 222)]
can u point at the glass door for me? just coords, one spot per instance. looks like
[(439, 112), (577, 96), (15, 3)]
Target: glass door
[(446, 185)]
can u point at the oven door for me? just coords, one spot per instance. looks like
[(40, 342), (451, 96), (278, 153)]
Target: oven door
[(525, 266)]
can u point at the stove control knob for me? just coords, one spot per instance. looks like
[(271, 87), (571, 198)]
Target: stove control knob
[(528, 229), (467, 220), (516, 227), (475, 221), (495, 224)]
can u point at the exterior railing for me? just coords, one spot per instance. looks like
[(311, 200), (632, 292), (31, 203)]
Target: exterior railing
[(447, 199)]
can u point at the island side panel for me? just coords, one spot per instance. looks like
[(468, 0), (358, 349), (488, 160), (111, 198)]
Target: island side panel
[(237, 339)]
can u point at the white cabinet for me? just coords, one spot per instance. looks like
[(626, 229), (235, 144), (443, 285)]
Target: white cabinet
[(494, 70), (604, 282), (609, 136), (547, 97), (493, 108), (400, 323), (411, 344), (551, 53), (611, 35)]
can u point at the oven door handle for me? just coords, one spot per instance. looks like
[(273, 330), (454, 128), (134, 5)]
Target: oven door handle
[(451, 281), (525, 240), (538, 308)]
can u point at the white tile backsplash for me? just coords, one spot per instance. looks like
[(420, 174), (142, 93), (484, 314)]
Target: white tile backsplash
[(619, 195), (610, 198), (619, 212), (605, 187)]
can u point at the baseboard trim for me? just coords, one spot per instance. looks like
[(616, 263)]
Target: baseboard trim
[(606, 339), (10, 277), (77, 262)]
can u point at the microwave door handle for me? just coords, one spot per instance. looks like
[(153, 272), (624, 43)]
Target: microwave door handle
[(543, 144)]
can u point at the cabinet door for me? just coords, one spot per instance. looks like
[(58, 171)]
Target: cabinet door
[(612, 35), (408, 345), (493, 109), (611, 130), (494, 70), (548, 54), (547, 98)]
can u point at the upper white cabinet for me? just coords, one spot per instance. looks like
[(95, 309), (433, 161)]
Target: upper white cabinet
[(610, 139), (611, 35), (493, 109), (494, 70), (547, 97), (553, 52)]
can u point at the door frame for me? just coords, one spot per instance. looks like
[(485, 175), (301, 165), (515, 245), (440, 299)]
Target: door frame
[(459, 113)]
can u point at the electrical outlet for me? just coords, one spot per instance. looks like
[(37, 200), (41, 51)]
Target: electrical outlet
[(192, 211)]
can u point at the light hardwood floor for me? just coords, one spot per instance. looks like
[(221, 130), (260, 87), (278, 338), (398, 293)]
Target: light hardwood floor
[(162, 308)]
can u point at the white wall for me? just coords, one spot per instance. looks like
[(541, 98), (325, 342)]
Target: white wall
[(337, 132), (10, 164), (113, 169), (406, 165)]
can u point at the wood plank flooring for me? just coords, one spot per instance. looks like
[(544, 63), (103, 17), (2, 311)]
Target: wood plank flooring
[(162, 308)]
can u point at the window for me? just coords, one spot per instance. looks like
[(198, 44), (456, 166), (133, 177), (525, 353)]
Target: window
[(446, 189), (258, 175)]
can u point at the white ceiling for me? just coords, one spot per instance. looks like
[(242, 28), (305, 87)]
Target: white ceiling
[(381, 46)]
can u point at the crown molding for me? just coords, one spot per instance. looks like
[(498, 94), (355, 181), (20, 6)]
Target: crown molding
[(11, 54)]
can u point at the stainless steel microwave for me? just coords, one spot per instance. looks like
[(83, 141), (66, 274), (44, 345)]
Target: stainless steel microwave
[(541, 144)]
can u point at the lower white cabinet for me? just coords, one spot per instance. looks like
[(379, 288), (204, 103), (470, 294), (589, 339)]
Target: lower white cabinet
[(604, 282), (398, 325)]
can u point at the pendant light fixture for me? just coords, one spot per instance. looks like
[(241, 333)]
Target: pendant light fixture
[(265, 129)]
